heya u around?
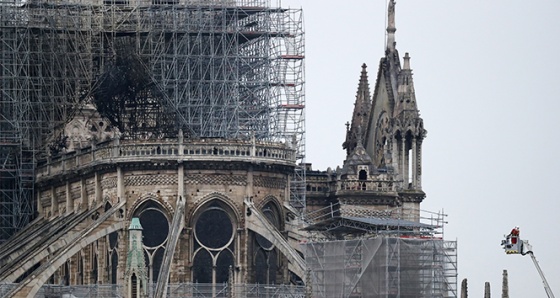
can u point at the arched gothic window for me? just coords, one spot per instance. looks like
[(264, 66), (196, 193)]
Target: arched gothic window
[(80, 271), (94, 266), (155, 225), (214, 245), (112, 257), (266, 255)]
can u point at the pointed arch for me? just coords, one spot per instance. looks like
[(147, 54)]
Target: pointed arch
[(224, 199), (155, 216), (150, 197), (277, 210), (265, 258)]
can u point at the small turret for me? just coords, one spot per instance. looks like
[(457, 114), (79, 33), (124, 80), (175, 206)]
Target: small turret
[(136, 273), (406, 96)]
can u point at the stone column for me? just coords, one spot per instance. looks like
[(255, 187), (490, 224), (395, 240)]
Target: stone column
[(86, 269), (237, 273), (244, 245), (54, 202), (414, 164), (120, 184), (83, 195), (487, 290), (69, 201), (231, 282), (98, 190), (394, 154), (72, 273), (419, 164), (180, 140), (179, 258), (102, 255), (505, 286), (181, 181), (464, 289), (121, 253), (404, 163)]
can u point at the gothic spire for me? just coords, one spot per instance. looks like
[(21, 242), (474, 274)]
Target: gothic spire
[(360, 117)]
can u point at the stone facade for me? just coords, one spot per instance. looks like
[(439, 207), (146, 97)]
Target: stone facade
[(211, 175), (214, 210)]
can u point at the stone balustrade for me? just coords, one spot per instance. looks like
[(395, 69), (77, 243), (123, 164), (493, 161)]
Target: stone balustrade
[(210, 150), (375, 186)]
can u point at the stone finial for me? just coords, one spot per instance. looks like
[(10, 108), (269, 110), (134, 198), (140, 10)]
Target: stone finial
[(391, 28), (487, 290), (363, 94), (406, 64), (464, 289), (505, 286)]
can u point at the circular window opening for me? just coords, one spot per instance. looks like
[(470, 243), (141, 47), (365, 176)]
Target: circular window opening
[(155, 227), (214, 228)]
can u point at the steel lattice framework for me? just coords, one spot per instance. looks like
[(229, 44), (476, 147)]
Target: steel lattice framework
[(383, 267), (210, 69)]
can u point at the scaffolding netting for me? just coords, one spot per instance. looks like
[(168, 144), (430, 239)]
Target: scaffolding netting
[(382, 267)]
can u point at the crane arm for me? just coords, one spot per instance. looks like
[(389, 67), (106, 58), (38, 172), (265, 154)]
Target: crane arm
[(546, 286)]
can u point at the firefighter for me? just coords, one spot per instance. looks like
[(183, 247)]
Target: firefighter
[(514, 235)]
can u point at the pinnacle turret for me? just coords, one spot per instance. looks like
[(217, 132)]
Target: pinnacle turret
[(363, 86), (360, 117), (406, 96)]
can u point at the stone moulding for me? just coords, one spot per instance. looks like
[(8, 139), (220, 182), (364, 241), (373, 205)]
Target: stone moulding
[(122, 152)]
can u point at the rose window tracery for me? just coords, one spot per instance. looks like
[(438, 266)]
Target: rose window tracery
[(214, 245)]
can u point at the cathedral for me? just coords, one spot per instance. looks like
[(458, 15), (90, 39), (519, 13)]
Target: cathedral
[(129, 205)]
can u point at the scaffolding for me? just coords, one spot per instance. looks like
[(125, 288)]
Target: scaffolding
[(153, 68), (383, 267), (393, 252)]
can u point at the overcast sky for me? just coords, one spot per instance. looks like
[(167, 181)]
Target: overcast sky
[(486, 81)]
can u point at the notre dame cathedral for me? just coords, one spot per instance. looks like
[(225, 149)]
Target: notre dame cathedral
[(178, 171)]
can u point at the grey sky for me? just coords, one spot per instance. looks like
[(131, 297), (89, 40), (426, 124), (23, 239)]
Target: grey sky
[(486, 81)]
